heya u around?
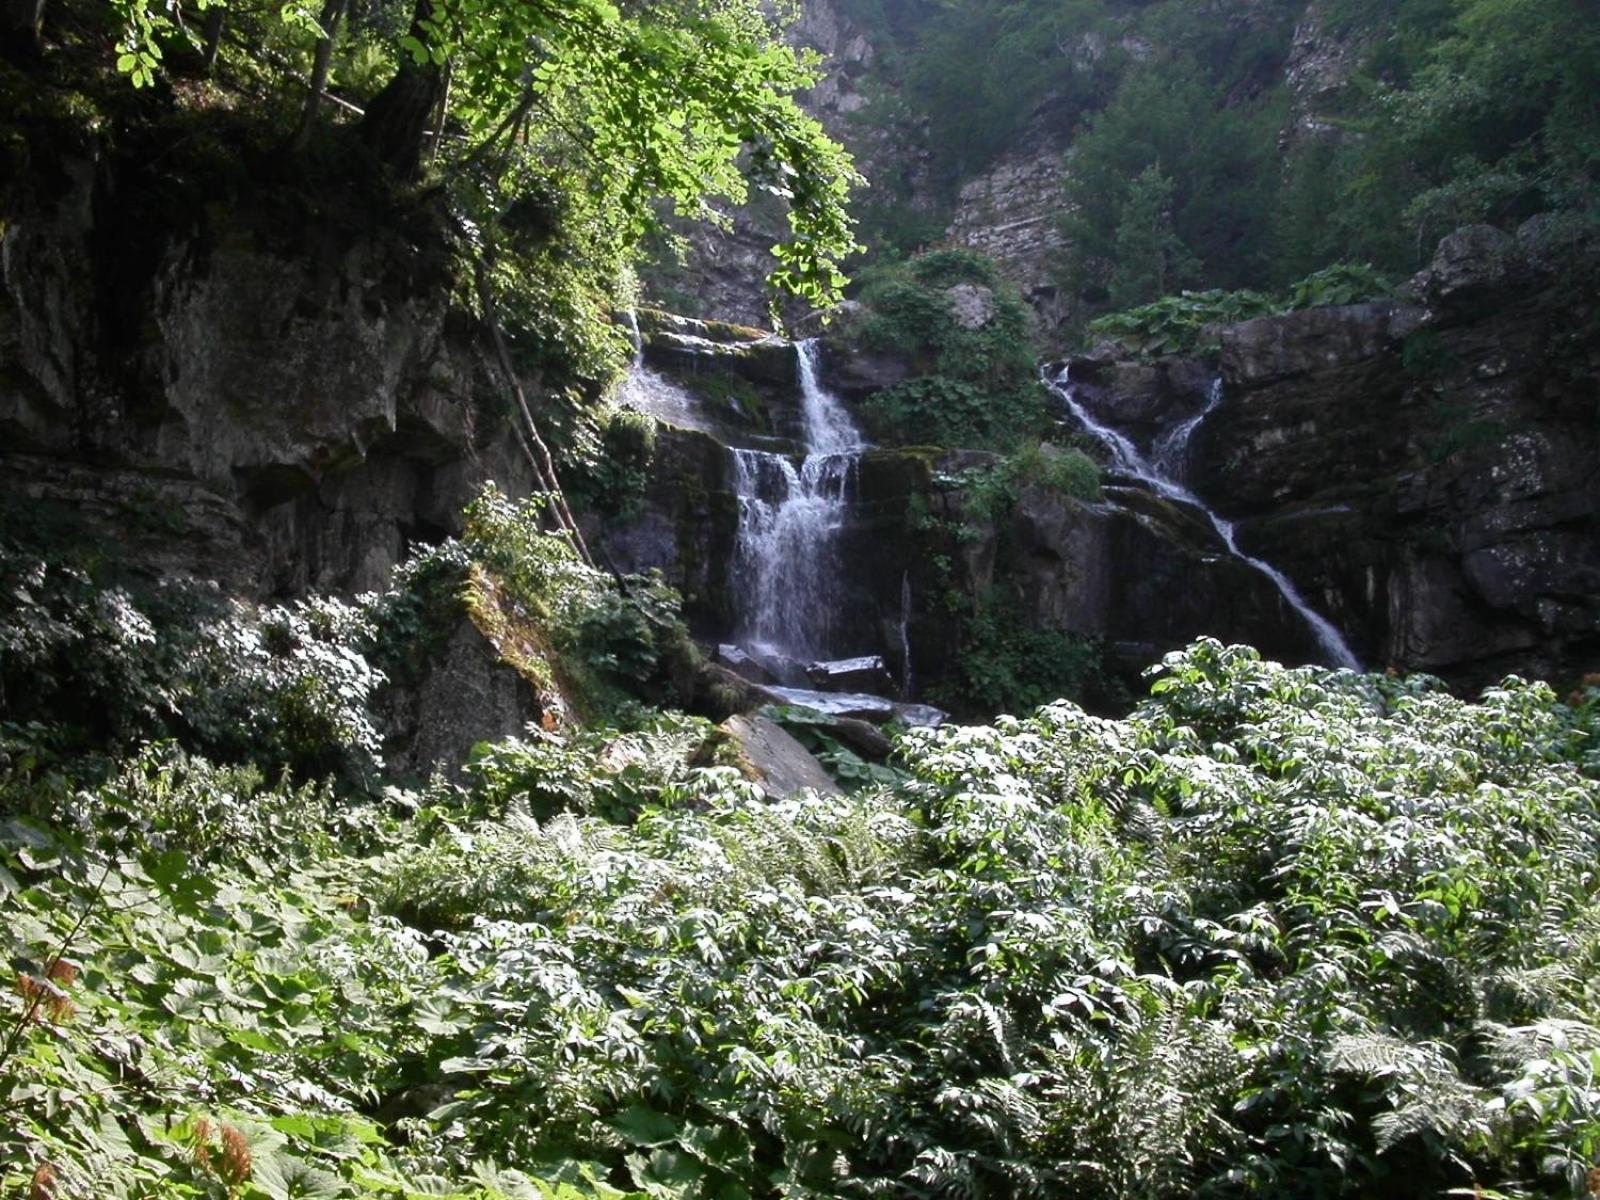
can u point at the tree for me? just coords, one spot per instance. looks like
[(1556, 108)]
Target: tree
[(1150, 258), (662, 108)]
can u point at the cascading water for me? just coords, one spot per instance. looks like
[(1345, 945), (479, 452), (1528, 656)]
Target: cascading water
[(651, 392), (787, 562), (905, 636), (1162, 476), (1170, 454)]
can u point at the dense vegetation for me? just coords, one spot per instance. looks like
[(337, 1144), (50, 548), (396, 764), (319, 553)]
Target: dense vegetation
[(967, 338), (1190, 165), (552, 138), (1281, 933)]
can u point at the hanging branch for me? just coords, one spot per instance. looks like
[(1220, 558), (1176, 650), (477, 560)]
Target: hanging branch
[(532, 444)]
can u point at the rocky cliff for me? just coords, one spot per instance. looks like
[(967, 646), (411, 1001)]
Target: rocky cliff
[(226, 393), (279, 409), (1428, 469)]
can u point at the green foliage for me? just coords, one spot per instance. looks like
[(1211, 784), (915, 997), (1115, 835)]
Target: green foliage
[(1182, 185), (1006, 663), (1188, 323), (601, 638), (286, 686), (973, 386), (1280, 932), (811, 729), (1463, 113), (569, 115), (1148, 254), (1456, 112)]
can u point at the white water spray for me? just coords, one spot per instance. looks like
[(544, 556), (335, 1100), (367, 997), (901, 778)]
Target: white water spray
[(1169, 453), (787, 561), (649, 391)]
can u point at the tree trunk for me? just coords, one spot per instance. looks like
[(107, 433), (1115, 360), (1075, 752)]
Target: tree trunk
[(216, 15), (19, 29), (332, 14), (396, 124)]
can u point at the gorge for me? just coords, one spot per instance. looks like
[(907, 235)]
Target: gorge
[(847, 600)]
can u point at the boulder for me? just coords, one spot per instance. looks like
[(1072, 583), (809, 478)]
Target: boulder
[(1470, 269), (971, 305), (864, 674), (865, 738), (771, 757), (466, 696), (742, 664), (1268, 349)]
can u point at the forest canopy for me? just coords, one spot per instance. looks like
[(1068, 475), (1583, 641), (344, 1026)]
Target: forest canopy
[(1195, 159), (599, 119)]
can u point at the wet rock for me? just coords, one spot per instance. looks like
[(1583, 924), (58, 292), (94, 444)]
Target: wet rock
[(772, 758), (1142, 399), (768, 361), (742, 664), (1430, 484), (864, 674), (865, 738), (874, 709)]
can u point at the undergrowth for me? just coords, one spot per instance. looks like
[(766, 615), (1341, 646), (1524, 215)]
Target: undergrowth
[(1278, 933)]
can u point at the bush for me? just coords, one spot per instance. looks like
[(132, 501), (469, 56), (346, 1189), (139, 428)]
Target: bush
[(973, 387), (1188, 323)]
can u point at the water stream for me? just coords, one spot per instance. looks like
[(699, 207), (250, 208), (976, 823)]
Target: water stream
[(649, 391), (787, 563), (1162, 474)]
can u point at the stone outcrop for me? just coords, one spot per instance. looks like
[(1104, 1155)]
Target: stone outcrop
[(1428, 472), (772, 758), (295, 414), (1321, 64), (1012, 212), (221, 394)]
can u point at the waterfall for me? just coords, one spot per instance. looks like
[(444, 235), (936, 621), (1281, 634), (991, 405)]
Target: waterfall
[(636, 338), (905, 635), (787, 560), (1169, 455), (649, 391)]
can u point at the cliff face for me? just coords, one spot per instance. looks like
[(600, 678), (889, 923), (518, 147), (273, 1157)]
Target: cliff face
[(1428, 471), (277, 409)]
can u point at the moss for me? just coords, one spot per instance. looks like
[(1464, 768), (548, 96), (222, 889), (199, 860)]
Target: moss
[(521, 644)]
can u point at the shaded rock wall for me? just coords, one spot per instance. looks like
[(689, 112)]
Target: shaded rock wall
[(215, 392), (293, 414), (1428, 473)]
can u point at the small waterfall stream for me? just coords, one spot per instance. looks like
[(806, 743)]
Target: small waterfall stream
[(649, 391), (1162, 474), (787, 561)]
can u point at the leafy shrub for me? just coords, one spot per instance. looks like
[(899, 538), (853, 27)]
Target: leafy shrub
[(1183, 324), (286, 686), (1005, 664), (973, 387), (1279, 932), (940, 411), (163, 799), (605, 641), (1179, 324), (605, 772)]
